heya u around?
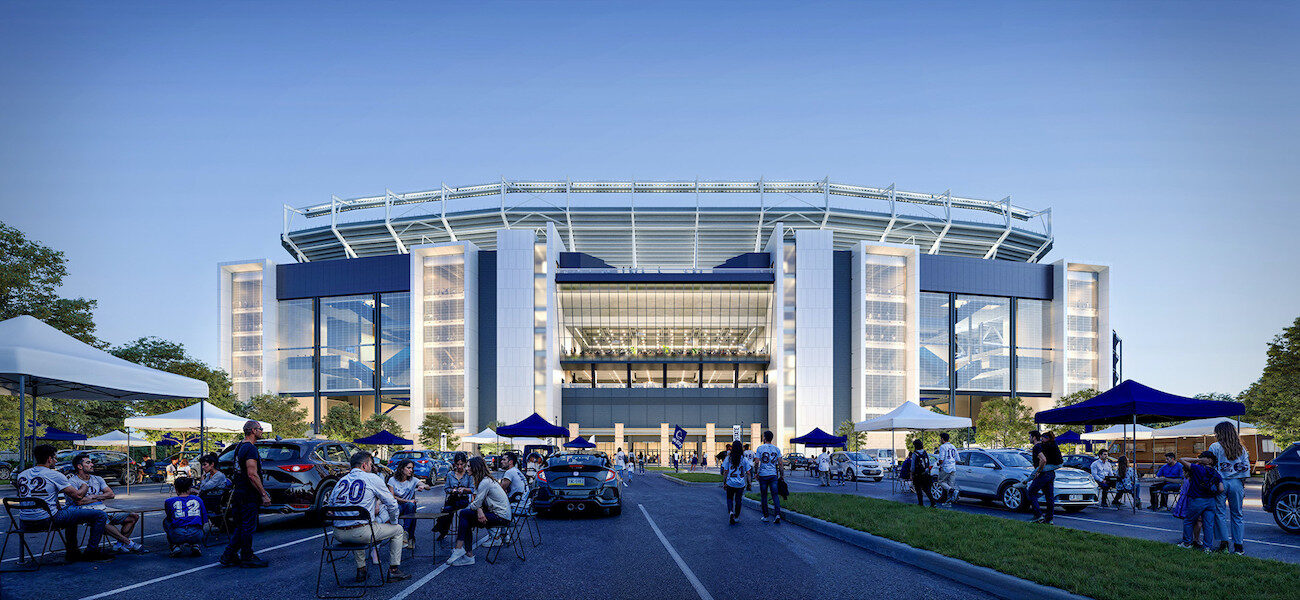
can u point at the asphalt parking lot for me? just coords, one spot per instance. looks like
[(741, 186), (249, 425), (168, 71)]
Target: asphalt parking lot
[(1263, 537), (670, 542)]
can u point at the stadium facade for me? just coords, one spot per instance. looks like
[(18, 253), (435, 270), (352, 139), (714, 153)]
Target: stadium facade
[(623, 309)]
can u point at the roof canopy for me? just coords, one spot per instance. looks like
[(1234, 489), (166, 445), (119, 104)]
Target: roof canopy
[(1202, 427), (384, 438), (212, 419), (1117, 432), (59, 366), (1131, 402), (487, 436), (820, 439), (54, 434), (910, 416), (579, 442), (115, 438), (1069, 437), (533, 426)]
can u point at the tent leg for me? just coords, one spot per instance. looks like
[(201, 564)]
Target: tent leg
[(202, 430), (22, 425)]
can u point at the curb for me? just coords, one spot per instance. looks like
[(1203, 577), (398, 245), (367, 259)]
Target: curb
[(989, 580), (690, 483)]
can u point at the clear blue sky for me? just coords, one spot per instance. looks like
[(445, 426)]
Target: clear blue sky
[(152, 141)]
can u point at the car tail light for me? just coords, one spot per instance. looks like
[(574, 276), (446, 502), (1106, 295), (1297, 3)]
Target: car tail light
[(541, 476), (1268, 466), (609, 476), (300, 506), (296, 468)]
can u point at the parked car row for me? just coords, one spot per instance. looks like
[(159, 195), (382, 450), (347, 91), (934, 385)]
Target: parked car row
[(998, 474)]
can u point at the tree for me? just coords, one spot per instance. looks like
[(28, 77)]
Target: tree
[(1273, 401), (1003, 422), (286, 417), (433, 428), (342, 422), (30, 276), (1075, 398), (930, 439), (856, 439)]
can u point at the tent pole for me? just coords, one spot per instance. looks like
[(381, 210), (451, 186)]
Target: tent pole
[(128, 460), (1137, 487), (22, 425), (202, 431)]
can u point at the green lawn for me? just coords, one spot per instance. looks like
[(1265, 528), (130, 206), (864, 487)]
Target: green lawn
[(698, 477), (1092, 564)]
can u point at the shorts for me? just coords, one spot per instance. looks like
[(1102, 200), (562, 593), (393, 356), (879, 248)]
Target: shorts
[(117, 518)]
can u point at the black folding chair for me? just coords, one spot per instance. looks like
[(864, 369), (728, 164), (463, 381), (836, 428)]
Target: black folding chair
[(530, 517), (507, 534), (332, 548), (27, 558), (216, 523)]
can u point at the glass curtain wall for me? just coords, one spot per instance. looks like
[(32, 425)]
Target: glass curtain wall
[(444, 336), (297, 346), (983, 333), (347, 343), (1081, 336), (935, 328), (1033, 346), (395, 340), (788, 395), (539, 328), (246, 333), (885, 323)]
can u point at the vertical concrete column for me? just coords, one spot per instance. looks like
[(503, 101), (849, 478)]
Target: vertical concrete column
[(618, 437), (573, 430), (664, 447), (710, 443), (755, 436)]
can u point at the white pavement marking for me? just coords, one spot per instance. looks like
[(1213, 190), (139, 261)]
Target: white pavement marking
[(1178, 531), (427, 578), (188, 571), (690, 575)]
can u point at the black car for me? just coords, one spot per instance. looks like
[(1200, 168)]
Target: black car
[(796, 461), (299, 474), (1082, 462), (109, 464), (1281, 491), (578, 482)]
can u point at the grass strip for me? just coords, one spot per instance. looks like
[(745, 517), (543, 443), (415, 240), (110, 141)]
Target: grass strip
[(698, 477), (1101, 566)]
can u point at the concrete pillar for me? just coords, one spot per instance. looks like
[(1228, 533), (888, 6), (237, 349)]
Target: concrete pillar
[(665, 448), (618, 437), (710, 443), (573, 430), (755, 436)]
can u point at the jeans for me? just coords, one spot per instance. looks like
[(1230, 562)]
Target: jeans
[(766, 483), (1230, 523), (1046, 481), (408, 525), (189, 534), (923, 484), (245, 514), (734, 494), (67, 519), (469, 520), (383, 531), (1104, 487), (1160, 493), (1200, 508)]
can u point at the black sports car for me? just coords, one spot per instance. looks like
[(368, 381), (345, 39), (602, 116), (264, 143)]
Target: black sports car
[(299, 474), (578, 482)]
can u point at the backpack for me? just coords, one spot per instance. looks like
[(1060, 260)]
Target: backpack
[(920, 463)]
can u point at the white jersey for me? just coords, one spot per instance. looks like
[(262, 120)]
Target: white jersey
[(948, 457), (824, 462), (359, 488), (43, 483), (95, 487), (620, 460)]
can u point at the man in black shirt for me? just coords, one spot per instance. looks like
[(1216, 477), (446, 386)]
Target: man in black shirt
[(1047, 459), (248, 496)]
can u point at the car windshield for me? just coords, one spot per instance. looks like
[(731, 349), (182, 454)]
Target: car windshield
[(859, 456), (1012, 458), (407, 455), (576, 459)]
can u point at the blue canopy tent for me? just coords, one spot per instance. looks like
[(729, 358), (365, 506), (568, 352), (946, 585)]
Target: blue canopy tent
[(579, 442), (1069, 437), (55, 435), (533, 426), (820, 439), (383, 438)]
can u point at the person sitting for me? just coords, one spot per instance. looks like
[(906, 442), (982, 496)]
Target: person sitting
[(1126, 484), (513, 481), (457, 489), (1104, 474), (43, 482), (362, 487), (489, 508), (120, 523), (183, 519), (1169, 481), (403, 485), (212, 483)]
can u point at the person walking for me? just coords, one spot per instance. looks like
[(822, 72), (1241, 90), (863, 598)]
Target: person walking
[(1047, 459), (248, 498), (922, 481), (753, 460), (770, 470), (1233, 463), (824, 467), (736, 469), (947, 479), (695, 461)]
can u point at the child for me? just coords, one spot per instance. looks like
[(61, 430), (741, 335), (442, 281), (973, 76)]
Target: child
[(1204, 484), (183, 519)]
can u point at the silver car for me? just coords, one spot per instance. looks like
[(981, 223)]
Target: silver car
[(997, 474), (852, 465)]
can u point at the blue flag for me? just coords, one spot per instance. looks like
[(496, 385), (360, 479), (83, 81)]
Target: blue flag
[(679, 436)]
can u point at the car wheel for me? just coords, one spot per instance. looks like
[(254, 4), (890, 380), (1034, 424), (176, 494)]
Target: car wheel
[(852, 475), (936, 491), (322, 497), (1012, 497), (6, 471), (1286, 509)]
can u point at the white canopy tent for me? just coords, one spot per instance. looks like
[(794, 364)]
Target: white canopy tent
[(200, 416), (1123, 431), (115, 438), (1202, 428), (910, 416), (42, 361), (487, 436)]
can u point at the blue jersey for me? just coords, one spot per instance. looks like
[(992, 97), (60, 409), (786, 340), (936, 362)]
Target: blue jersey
[(185, 511)]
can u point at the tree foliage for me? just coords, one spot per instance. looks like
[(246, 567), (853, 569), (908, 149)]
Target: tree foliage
[(287, 418), (1003, 422), (342, 422), (432, 429), (30, 276), (1075, 398), (930, 439), (856, 439), (1273, 401)]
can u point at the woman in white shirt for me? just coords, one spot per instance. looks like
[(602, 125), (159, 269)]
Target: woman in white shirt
[(403, 484), (490, 507), (1234, 467)]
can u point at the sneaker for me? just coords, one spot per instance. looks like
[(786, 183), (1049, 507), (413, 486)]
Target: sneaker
[(731, 519), (176, 551), (226, 562), (362, 575), (455, 555), (396, 574), (1038, 520), (1238, 549), (763, 519), (1185, 545), (195, 550), (137, 548), (463, 561), (253, 562), (777, 520)]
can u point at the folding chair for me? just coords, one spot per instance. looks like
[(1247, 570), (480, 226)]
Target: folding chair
[(331, 548), (508, 533), (217, 522), (16, 525), (530, 517)]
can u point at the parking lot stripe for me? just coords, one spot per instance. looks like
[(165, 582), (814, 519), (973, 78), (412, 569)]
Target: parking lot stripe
[(434, 573), (1178, 531), (690, 575), (194, 570)]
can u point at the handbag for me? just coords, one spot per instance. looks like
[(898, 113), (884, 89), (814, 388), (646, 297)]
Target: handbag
[(1179, 509), (782, 488)]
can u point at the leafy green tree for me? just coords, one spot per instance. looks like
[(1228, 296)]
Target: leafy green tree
[(30, 276), (1003, 422), (1075, 398), (342, 422), (287, 418), (1273, 401), (433, 428), (856, 439), (172, 357), (959, 437)]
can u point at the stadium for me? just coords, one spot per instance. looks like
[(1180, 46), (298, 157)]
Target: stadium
[(623, 309)]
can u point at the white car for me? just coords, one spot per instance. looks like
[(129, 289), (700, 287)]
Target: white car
[(852, 465)]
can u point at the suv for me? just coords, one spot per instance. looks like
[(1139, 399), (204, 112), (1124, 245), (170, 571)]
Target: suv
[(1281, 490), (299, 474), (797, 460), (428, 466), (996, 474), (851, 465), (109, 464)]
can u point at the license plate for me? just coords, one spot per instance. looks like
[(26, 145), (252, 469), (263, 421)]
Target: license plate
[(1076, 497), (577, 480)]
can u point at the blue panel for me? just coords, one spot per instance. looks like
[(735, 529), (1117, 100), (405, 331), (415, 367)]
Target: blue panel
[(842, 309), (581, 260), (344, 277), (965, 275), (748, 260), (648, 407), (712, 277), (487, 338)]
